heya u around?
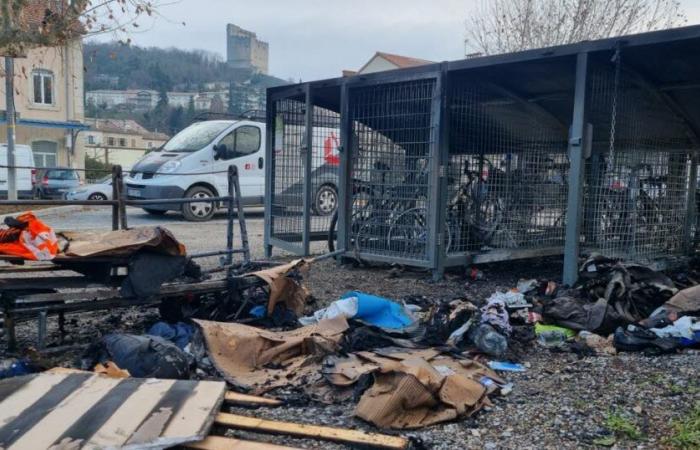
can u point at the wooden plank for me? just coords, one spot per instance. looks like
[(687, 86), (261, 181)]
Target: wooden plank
[(195, 417), (253, 400), (128, 418), (312, 431), (27, 395), (54, 424), (224, 443)]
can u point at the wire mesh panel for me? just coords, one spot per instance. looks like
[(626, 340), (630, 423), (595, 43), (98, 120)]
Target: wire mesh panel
[(637, 179), (287, 219), (507, 172), (392, 135), (325, 176)]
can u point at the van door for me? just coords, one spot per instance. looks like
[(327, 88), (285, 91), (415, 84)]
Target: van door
[(243, 147)]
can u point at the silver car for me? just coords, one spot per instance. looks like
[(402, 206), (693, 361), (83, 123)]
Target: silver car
[(100, 190)]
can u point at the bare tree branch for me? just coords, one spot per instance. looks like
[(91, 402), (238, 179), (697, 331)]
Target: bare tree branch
[(502, 26), (28, 24)]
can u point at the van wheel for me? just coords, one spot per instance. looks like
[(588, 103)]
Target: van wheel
[(325, 200), (198, 212), (155, 212)]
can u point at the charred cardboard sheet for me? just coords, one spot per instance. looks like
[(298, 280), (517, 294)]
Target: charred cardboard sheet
[(74, 410), (258, 360), (413, 388), (284, 289), (121, 243)]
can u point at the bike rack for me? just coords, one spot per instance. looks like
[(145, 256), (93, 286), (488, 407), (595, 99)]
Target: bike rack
[(590, 147)]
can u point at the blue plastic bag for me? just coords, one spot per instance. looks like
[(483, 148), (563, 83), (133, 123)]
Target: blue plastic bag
[(380, 312)]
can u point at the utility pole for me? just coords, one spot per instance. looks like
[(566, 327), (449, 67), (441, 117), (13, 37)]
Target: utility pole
[(11, 124)]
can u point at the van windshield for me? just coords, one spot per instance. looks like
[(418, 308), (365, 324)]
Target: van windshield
[(195, 137)]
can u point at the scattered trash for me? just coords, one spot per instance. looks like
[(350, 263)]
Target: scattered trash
[(598, 343), (504, 366), (488, 340), (258, 360), (370, 309), (525, 286), (686, 330), (637, 339), (686, 301), (512, 299), (28, 238), (552, 335), (142, 356), (179, 333), (16, 367), (494, 313)]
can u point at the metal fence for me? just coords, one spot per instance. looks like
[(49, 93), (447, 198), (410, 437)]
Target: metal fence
[(637, 193), (392, 139), (569, 150), (507, 172), (303, 177)]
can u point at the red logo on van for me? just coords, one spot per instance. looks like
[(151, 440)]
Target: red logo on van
[(330, 150)]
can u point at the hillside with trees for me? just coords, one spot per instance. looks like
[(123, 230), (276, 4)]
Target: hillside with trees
[(117, 66)]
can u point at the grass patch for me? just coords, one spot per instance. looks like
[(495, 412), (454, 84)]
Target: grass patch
[(686, 431), (622, 426)]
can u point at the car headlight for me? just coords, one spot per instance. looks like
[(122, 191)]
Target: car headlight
[(168, 167)]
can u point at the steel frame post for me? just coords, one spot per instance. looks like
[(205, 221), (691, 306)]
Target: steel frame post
[(306, 155), (691, 214), (576, 172), (438, 179), (229, 216), (120, 199), (269, 161), (115, 197), (345, 197)]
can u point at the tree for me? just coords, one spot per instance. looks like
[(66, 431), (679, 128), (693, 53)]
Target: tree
[(28, 24), (503, 26), (217, 104), (176, 120)]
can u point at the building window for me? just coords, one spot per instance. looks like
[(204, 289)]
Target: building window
[(45, 153), (150, 144), (91, 140), (122, 142), (110, 141), (133, 143), (43, 87)]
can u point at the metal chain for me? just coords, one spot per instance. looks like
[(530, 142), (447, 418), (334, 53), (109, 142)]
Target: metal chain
[(613, 120)]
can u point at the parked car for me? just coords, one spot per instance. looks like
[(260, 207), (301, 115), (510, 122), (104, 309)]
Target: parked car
[(99, 190), (23, 158), (194, 162), (324, 191), (54, 183)]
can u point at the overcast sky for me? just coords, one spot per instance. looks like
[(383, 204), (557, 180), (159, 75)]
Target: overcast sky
[(313, 39)]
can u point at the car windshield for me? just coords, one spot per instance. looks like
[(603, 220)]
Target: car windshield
[(62, 174), (195, 137)]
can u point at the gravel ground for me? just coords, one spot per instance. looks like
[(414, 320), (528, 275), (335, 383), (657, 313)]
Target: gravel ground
[(561, 401)]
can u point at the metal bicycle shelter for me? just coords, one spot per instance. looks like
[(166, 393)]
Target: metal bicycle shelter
[(589, 147)]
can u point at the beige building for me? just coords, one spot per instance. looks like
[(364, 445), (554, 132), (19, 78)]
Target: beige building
[(119, 142), (49, 101)]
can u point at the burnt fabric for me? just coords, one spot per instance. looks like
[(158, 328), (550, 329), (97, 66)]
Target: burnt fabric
[(148, 271), (143, 356), (28, 238)]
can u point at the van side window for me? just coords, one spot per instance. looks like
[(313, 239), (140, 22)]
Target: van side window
[(242, 141)]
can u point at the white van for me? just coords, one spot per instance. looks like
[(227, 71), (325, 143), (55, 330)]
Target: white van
[(194, 164), (24, 158)]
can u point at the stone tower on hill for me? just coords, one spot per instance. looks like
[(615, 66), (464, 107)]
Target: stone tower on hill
[(245, 51)]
